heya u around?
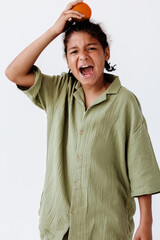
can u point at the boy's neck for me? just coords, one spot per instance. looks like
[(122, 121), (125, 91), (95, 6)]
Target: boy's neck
[(91, 93)]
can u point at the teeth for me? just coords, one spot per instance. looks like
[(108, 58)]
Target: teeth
[(85, 66)]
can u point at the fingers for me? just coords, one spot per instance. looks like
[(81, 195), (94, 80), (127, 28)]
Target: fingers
[(72, 4), (68, 16), (73, 14)]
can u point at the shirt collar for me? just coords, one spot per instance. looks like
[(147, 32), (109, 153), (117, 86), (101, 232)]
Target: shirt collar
[(114, 86)]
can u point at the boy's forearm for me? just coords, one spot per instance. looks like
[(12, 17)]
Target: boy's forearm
[(144, 230), (23, 63), (19, 70), (145, 205)]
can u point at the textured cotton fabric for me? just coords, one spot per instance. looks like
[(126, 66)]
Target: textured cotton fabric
[(98, 160)]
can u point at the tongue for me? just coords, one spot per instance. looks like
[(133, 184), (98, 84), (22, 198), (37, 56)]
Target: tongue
[(87, 70)]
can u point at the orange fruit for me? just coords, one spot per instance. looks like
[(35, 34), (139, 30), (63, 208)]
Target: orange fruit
[(84, 9)]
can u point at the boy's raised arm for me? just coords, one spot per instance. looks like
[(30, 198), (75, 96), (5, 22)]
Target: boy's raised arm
[(19, 70)]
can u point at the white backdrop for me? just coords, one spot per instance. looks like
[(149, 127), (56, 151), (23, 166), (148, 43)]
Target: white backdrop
[(134, 32)]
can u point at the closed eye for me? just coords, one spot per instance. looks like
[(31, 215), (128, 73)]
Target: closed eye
[(92, 48), (73, 52)]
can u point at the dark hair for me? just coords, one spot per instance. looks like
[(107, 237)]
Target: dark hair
[(94, 30)]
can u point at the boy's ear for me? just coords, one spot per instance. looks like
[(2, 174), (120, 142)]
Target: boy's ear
[(107, 53)]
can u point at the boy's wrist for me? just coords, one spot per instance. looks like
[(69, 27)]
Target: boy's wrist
[(147, 221)]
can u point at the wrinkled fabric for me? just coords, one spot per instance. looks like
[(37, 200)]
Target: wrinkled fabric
[(98, 159)]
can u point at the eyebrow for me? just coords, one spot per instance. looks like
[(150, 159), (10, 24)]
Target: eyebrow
[(87, 46)]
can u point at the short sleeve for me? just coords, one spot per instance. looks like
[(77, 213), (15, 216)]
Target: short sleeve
[(144, 173), (46, 89)]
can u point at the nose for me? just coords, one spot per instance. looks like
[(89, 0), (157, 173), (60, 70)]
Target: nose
[(83, 56)]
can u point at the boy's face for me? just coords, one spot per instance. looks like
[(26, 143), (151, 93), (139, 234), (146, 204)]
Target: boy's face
[(86, 58)]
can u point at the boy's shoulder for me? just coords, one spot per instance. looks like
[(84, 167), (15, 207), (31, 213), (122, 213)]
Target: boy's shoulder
[(129, 97), (125, 99), (124, 94)]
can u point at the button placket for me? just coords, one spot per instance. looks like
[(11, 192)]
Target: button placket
[(77, 190)]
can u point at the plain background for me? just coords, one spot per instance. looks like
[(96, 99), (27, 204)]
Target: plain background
[(133, 27)]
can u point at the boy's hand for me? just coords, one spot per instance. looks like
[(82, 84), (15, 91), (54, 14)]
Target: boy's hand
[(144, 232), (19, 70), (67, 17)]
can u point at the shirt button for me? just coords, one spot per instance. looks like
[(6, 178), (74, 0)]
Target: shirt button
[(78, 157), (76, 184), (72, 211), (81, 132)]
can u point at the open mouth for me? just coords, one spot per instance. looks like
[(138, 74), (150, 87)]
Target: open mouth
[(86, 71)]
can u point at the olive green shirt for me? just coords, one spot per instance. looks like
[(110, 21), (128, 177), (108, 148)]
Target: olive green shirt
[(98, 160)]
